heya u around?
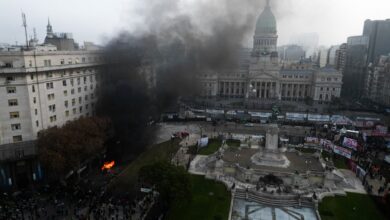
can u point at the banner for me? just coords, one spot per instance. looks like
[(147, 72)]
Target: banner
[(327, 145), (312, 140), (203, 142), (342, 151), (350, 143), (380, 131)]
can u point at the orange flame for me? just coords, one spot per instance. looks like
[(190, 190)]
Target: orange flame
[(108, 165)]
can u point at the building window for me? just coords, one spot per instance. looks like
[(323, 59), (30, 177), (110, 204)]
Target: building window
[(30, 63), (72, 91), (11, 90), (47, 62), (49, 75), (83, 59), (49, 85), (12, 102), (80, 100), (62, 61), (85, 80), (91, 86), (37, 123), (64, 82), (78, 81), (15, 127), (50, 96), (36, 111), (14, 115), (73, 102), (65, 92), (10, 78), (79, 89), (33, 88), (85, 88), (53, 118), (17, 138), (34, 100), (81, 109), (71, 82), (66, 113), (66, 103), (74, 111), (70, 61), (52, 108)]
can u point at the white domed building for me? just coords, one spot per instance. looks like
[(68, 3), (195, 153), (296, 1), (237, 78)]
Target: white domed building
[(260, 76)]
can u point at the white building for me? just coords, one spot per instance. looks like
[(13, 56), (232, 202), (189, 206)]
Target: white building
[(42, 89), (260, 75)]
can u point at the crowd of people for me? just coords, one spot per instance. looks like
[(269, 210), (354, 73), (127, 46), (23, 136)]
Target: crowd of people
[(80, 201)]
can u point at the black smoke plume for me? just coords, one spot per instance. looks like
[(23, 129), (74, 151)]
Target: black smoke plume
[(146, 70)]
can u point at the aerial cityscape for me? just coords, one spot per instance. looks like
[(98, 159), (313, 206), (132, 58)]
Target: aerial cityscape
[(181, 109)]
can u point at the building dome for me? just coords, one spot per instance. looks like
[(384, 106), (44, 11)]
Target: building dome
[(266, 23)]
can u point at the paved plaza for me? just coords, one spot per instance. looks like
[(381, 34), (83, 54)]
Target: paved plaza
[(297, 163), (245, 210)]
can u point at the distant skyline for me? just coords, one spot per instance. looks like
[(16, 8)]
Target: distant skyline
[(98, 20)]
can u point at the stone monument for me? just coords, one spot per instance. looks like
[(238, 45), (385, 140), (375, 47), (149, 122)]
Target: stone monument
[(271, 155)]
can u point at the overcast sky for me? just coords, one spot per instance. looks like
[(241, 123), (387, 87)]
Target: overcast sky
[(98, 20)]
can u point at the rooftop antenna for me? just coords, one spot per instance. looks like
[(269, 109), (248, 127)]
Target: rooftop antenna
[(25, 27)]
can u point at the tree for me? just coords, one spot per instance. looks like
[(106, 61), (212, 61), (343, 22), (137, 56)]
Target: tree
[(66, 148), (172, 182)]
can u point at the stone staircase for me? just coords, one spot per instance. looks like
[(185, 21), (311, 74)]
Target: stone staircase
[(274, 200)]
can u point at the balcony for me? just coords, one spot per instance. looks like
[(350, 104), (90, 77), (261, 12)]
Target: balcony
[(18, 151), (15, 70)]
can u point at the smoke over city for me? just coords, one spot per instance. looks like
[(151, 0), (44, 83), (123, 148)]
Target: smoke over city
[(148, 69)]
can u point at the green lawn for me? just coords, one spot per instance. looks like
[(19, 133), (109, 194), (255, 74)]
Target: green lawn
[(233, 143), (212, 147), (338, 161), (351, 207), (210, 200), (127, 179)]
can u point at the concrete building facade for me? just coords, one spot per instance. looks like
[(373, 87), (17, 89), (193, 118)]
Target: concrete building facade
[(40, 87)]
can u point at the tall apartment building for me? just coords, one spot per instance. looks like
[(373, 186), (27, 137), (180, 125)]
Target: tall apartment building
[(378, 32), (378, 81), (332, 55), (41, 87), (341, 56), (355, 69)]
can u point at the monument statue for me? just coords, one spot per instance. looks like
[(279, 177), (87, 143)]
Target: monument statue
[(271, 154)]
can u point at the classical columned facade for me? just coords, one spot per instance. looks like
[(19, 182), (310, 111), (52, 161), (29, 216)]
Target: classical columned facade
[(260, 77)]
